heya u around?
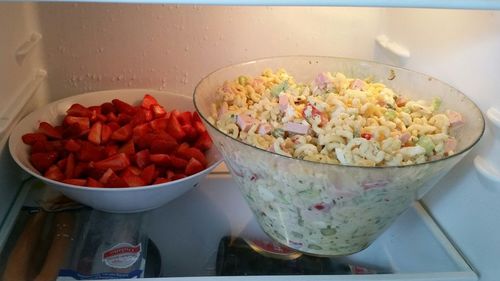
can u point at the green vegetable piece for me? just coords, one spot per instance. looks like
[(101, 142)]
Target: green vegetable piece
[(328, 231), (436, 103), (427, 144), (390, 114), (278, 133), (281, 87), (242, 80), (314, 247)]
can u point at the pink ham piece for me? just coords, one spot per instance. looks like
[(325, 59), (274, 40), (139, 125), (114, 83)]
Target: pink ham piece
[(450, 145), (455, 118), (401, 101), (265, 128), (322, 80), (357, 84), (283, 103), (405, 137), (296, 128), (245, 122)]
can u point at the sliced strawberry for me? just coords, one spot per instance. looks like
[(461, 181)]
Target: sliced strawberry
[(89, 152), (178, 162), (124, 119), (128, 148), (111, 117), (178, 176), (116, 162), (163, 146), (83, 122), (106, 176), (192, 152), (94, 135), (54, 173), (43, 160), (160, 159), (185, 117), (159, 124), (193, 166), (199, 127), (133, 180), (123, 107), (149, 174), (204, 142), (142, 158), (116, 181), (174, 128), (72, 145), (158, 111), (78, 110), (144, 142), (114, 126), (69, 170), (48, 130), (80, 182), (93, 183), (107, 107), (131, 170), (62, 163), (106, 132), (72, 131), (196, 117), (81, 169), (148, 101), (191, 133), (161, 180), (31, 138), (111, 149), (122, 134)]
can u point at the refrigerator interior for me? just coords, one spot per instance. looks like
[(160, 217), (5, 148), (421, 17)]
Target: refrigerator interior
[(54, 50)]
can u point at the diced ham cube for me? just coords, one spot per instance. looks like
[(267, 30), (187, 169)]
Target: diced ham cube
[(265, 128), (322, 80), (405, 137), (401, 101), (455, 118), (450, 145), (245, 122), (296, 128), (283, 103), (357, 84)]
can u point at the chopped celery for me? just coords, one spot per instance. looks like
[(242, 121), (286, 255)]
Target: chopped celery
[(436, 103), (426, 143), (390, 114), (242, 80), (278, 88)]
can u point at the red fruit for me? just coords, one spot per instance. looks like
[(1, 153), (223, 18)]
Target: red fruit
[(89, 152), (72, 145), (144, 142), (48, 130), (69, 171), (123, 107), (133, 180), (178, 162), (83, 122), (191, 133), (107, 107), (163, 146), (199, 127), (43, 160), (160, 159), (161, 180), (78, 110), (196, 117), (131, 170), (138, 118), (81, 169), (149, 174), (128, 148), (204, 142), (54, 173), (185, 118), (122, 134), (177, 176), (158, 111), (193, 166), (142, 158), (106, 176), (106, 132), (159, 124), (148, 101), (192, 152), (116, 162), (95, 132), (174, 128), (111, 117), (72, 131), (111, 149), (93, 183), (31, 138), (124, 119), (116, 181), (80, 182), (114, 126), (367, 136)]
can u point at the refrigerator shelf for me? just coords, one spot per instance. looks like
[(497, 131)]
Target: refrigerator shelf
[(187, 232)]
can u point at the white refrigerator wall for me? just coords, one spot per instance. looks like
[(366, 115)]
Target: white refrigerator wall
[(87, 47)]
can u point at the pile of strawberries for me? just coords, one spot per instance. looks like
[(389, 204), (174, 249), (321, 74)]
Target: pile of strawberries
[(116, 144)]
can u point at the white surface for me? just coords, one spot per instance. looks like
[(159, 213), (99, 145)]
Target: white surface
[(119, 200)]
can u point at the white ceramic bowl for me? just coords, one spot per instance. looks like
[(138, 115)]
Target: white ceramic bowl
[(116, 200)]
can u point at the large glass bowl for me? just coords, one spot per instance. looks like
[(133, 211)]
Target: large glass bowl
[(328, 209)]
